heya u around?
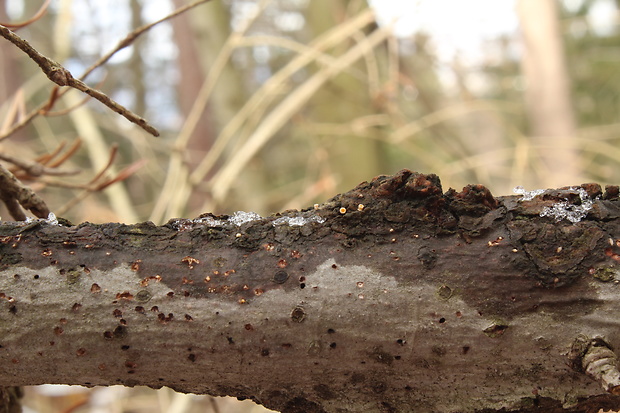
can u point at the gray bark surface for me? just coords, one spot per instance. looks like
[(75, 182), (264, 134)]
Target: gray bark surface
[(403, 299)]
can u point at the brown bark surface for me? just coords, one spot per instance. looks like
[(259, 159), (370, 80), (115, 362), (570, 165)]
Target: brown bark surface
[(404, 299)]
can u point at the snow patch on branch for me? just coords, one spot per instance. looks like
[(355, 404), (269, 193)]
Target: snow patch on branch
[(297, 221), (241, 217), (51, 220), (565, 210), (527, 195)]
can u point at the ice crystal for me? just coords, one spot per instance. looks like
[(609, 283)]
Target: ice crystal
[(527, 195), (209, 221), (51, 219), (241, 217), (297, 221), (565, 210)]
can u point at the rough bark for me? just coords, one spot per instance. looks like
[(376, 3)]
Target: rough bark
[(403, 299)]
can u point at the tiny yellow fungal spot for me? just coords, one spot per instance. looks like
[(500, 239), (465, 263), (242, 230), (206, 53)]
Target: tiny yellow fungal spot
[(242, 301), (558, 250), (360, 284), (360, 207), (515, 250), (342, 210), (190, 261), (238, 235), (316, 206)]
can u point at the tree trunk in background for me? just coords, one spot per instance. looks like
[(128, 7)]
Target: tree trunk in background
[(393, 297), (547, 95), (202, 33), (137, 63), (10, 79), (343, 100), (192, 74)]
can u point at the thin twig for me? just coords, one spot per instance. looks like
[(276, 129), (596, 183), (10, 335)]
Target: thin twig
[(53, 163), (131, 37), (33, 19), (45, 107), (34, 169), (62, 77)]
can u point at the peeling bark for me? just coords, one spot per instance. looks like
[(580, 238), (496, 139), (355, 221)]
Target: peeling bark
[(403, 298)]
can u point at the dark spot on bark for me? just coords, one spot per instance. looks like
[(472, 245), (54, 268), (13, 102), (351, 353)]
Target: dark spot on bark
[(378, 387), (400, 341), (230, 340), (334, 266), (332, 345), (264, 352), (465, 349), (324, 392), (191, 357), (330, 331), (280, 277), (302, 285), (125, 347), (388, 408), (117, 313), (382, 357), (298, 314), (120, 332), (301, 405), (442, 320), (13, 309), (248, 327), (143, 296), (140, 309), (357, 378), (10, 259), (438, 351), (108, 335), (36, 276), (427, 257), (76, 307)]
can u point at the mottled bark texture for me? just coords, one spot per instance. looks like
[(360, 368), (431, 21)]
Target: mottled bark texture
[(403, 299)]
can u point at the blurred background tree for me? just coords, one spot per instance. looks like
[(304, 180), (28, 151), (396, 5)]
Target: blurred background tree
[(269, 105)]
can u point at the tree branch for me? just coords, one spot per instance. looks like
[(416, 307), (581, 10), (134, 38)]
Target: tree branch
[(62, 77), (393, 297)]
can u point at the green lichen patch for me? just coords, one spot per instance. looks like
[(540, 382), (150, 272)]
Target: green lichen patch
[(604, 274)]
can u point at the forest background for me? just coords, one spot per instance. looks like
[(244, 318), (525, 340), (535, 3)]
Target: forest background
[(270, 105)]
